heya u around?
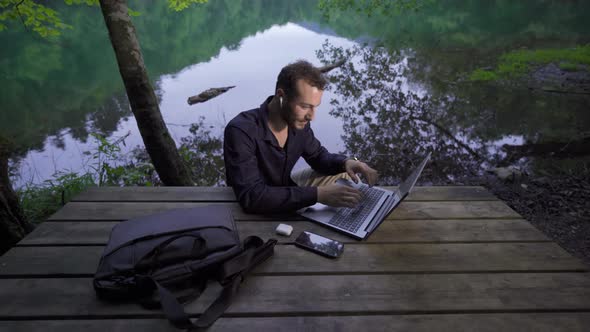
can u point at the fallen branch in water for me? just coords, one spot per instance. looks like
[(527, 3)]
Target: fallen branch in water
[(336, 64), (122, 138), (208, 94)]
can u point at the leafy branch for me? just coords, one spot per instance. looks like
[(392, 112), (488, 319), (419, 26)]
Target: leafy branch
[(46, 22)]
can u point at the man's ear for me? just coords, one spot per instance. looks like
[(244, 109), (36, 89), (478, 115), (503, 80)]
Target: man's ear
[(281, 94)]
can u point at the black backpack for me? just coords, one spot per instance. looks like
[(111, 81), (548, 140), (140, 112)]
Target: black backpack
[(173, 254)]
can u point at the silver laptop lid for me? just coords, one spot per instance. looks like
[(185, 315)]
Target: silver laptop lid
[(408, 184)]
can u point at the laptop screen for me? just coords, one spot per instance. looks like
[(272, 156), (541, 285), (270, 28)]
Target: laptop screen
[(406, 186)]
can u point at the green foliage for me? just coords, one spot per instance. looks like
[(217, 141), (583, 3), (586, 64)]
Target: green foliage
[(81, 2), (203, 156), (39, 18), (108, 166), (133, 13), (47, 22), (178, 5), (483, 75), (518, 63), (107, 153), (568, 66), (40, 201)]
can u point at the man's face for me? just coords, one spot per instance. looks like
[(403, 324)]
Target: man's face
[(301, 110)]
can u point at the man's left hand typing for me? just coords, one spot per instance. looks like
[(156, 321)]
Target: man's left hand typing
[(353, 167)]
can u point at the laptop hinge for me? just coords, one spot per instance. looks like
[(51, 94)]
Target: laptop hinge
[(383, 210)]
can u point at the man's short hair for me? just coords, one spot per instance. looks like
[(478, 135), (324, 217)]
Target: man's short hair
[(295, 71)]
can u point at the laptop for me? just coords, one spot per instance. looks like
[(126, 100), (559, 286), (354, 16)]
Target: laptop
[(376, 204)]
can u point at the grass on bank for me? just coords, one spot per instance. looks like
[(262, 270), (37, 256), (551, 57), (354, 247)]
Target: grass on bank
[(107, 165), (517, 63), (40, 201)]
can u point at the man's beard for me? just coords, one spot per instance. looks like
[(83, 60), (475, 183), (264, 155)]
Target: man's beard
[(287, 114)]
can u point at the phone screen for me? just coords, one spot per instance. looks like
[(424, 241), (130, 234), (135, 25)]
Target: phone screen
[(320, 244)]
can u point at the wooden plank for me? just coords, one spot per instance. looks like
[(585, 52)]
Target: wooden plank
[(357, 258), (406, 210), (521, 322), (226, 194), (398, 231), (451, 210), (325, 295), (161, 194)]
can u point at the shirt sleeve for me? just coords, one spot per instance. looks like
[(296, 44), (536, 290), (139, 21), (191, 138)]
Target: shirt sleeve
[(319, 158), (243, 174)]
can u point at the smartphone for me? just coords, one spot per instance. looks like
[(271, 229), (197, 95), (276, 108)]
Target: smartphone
[(319, 244)]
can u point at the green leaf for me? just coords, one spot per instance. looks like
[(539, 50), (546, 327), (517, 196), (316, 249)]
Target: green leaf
[(178, 5), (133, 13)]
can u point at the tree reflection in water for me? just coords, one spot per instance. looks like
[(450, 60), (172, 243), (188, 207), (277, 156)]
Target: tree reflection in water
[(392, 125), (201, 151), (203, 154)]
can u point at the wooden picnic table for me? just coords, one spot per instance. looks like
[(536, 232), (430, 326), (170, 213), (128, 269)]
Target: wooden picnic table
[(447, 259)]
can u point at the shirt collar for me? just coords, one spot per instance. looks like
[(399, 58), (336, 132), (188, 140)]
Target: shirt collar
[(266, 133)]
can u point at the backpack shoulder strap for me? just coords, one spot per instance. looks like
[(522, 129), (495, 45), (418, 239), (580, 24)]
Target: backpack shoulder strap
[(233, 272)]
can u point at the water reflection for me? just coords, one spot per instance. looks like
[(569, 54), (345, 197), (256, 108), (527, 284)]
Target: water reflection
[(51, 85), (204, 154), (253, 69), (392, 123), (392, 126), (56, 92), (482, 28)]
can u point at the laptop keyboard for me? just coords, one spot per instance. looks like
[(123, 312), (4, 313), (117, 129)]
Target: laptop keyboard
[(352, 219)]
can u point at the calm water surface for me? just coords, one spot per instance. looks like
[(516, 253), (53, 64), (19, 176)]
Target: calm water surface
[(57, 92)]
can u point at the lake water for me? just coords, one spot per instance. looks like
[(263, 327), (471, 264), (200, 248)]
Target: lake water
[(56, 92)]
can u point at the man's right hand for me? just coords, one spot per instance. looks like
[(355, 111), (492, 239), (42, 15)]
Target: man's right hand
[(338, 195)]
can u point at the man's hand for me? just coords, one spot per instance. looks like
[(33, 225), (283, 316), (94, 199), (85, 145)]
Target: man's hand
[(353, 167), (338, 195)]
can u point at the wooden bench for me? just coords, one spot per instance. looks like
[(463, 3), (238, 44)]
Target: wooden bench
[(447, 259)]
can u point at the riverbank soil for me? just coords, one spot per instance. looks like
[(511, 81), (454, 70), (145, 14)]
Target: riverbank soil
[(557, 203)]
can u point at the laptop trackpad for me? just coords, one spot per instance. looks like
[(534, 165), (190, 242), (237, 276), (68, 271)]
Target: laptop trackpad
[(320, 212)]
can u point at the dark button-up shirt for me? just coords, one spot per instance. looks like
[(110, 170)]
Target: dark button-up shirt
[(259, 170)]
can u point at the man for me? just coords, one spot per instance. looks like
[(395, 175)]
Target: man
[(262, 145)]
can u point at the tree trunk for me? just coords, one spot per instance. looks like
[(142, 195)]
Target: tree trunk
[(144, 103), (13, 226)]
